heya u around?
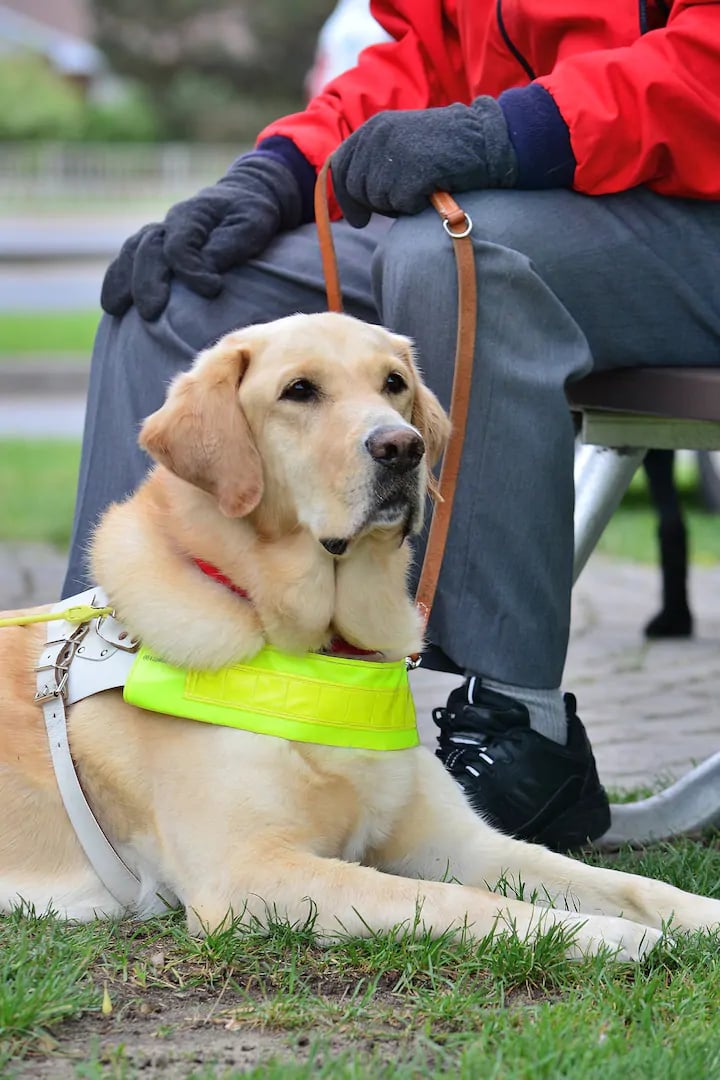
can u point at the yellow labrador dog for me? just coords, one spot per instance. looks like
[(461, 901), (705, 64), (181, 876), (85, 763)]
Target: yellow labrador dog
[(293, 458)]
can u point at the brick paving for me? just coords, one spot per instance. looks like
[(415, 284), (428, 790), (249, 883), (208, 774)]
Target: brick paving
[(651, 709)]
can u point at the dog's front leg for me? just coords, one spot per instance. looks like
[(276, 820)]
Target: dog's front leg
[(339, 898), (441, 836), (371, 601)]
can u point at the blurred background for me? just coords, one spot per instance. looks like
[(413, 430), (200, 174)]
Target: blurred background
[(110, 111)]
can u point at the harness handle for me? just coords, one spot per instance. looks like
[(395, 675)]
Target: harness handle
[(81, 613), (458, 226)]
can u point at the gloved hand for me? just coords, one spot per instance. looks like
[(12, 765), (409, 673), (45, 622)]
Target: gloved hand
[(220, 227), (397, 159)]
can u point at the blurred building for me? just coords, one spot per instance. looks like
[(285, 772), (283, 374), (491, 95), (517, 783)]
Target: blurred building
[(348, 30), (58, 30)]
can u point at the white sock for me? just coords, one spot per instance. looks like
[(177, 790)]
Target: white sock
[(546, 707)]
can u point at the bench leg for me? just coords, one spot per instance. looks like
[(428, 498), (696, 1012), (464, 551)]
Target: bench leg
[(602, 477), (690, 804)]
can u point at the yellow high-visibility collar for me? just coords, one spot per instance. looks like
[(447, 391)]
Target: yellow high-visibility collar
[(310, 698)]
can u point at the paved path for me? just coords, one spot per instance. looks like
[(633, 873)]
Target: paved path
[(41, 416), (56, 261), (26, 237), (651, 710), (43, 397), (51, 286)]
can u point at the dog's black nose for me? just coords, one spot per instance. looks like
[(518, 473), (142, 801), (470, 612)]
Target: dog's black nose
[(398, 448)]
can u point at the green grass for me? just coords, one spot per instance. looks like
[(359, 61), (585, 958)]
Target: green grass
[(47, 334), (43, 974), (395, 1005), (632, 532), (37, 489)]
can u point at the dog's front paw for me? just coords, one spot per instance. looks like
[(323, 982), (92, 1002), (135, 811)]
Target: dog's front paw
[(207, 648), (695, 913), (623, 939)]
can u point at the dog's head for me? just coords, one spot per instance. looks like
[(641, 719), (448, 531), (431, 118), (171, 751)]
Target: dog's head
[(317, 420)]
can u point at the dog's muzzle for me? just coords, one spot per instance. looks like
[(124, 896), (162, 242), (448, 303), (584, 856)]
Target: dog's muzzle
[(395, 494), (397, 452), (335, 545)]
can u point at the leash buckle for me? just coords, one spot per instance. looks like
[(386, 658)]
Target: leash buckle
[(454, 230)]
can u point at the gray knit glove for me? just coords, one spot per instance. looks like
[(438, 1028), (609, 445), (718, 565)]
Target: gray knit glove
[(203, 237), (397, 159)]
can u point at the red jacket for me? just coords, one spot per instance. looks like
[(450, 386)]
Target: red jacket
[(631, 88)]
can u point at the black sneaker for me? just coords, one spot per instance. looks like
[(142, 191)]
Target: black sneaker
[(671, 622), (521, 782)]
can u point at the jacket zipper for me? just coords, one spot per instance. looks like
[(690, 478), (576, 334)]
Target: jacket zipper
[(527, 68), (510, 44)]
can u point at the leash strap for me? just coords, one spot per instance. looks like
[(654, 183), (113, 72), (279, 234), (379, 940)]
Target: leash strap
[(458, 226)]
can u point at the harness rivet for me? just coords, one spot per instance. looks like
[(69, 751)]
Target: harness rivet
[(122, 636), (81, 649), (104, 652)]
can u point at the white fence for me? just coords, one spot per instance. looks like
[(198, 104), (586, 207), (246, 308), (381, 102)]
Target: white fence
[(115, 170)]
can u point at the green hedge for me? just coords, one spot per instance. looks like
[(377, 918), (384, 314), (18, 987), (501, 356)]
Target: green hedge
[(37, 103)]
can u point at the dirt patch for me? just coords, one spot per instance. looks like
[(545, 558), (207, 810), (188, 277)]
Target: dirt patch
[(163, 1034), (172, 1035)]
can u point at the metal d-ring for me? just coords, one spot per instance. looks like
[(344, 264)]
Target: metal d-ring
[(458, 235)]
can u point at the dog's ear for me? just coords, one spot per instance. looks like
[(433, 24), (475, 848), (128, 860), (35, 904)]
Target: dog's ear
[(431, 420), (201, 433), (428, 415)]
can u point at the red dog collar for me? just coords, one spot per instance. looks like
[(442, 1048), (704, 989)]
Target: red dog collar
[(338, 646)]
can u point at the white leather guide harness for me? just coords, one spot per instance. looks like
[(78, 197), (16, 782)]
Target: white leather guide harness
[(331, 699)]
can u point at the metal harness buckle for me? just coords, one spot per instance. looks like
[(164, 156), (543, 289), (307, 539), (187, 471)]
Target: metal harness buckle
[(61, 666)]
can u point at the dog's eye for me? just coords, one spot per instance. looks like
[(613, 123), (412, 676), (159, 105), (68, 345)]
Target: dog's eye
[(300, 390), (395, 384)]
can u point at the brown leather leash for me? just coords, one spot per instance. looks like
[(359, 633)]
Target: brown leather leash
[(458, 227)]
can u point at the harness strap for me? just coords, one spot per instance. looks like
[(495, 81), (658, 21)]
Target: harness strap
[(115, 874), (62, 679)]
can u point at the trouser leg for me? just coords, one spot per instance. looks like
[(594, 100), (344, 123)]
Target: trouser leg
[(566, 283), (133, 361)]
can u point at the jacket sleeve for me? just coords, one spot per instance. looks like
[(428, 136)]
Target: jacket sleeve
[(421, 67), (645, 114)]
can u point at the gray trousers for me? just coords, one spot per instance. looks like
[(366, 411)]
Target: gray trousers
[(567, 283)]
